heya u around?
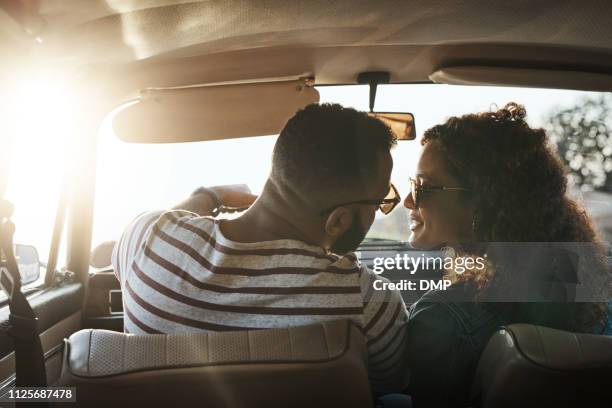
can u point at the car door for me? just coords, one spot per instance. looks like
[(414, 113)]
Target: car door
[(58, 308)]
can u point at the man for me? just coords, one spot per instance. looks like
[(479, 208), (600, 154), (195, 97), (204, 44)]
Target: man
[(287, 260)]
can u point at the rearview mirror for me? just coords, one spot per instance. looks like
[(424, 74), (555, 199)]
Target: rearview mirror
[(28, 263), (400, 123)]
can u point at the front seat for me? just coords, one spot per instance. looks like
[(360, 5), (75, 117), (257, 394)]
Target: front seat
[(320, 365), (534, 366)]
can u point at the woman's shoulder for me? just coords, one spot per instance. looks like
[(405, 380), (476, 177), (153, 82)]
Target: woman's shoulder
[(457, 294), (445, 339), (456, 306)]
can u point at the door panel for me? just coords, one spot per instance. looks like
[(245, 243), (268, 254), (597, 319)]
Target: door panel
[(51, 305), (52, 341), (59, 315)]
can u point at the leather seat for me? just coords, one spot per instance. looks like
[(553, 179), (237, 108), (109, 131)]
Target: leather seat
[(321, 365), (527, 365)]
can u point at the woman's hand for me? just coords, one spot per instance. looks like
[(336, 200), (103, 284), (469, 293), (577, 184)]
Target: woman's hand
[(205, 201), (235, 195)]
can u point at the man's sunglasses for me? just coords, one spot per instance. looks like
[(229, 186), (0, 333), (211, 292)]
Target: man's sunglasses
[(386, 205), (417, 191)]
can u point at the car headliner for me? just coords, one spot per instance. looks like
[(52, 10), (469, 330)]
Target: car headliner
[(173, 43)]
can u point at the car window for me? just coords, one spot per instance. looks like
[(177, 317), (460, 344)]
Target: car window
[(38, 123), (133, 178), (561, 112)]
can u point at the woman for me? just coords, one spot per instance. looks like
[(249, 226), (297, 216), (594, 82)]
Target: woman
[(484, 179)]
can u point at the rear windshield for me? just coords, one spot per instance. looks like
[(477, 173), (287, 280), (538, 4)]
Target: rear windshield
[(132, 178)]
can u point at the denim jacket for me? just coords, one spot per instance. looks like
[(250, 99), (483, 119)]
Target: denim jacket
[(445, 339)]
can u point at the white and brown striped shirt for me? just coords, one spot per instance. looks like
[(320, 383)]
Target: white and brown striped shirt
[(179, 273)]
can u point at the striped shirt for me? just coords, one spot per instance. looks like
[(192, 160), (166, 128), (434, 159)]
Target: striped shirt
[(179, 273)]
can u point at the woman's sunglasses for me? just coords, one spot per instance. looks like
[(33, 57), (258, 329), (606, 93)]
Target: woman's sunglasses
[(417, 191), (385, 205)]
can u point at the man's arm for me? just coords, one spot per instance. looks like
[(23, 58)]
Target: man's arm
[(200, 202), (204, 200), (385, 317)]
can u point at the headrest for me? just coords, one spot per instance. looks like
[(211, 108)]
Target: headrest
[(276, 367), (527, 365)]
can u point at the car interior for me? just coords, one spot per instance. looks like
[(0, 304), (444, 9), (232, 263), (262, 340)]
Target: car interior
[(172, 71)]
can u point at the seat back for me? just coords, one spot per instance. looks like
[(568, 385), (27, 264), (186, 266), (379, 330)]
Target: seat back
[(318, 365), (527, 365)]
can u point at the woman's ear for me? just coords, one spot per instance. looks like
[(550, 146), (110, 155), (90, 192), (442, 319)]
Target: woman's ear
[(338, 222)]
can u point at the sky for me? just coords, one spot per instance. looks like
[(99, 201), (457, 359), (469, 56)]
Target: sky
[(132, 178)]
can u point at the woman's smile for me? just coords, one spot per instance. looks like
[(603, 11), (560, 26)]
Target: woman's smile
[(415, 223)]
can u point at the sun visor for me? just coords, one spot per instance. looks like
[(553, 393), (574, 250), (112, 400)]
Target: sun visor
[(522, 77), (211, 112)]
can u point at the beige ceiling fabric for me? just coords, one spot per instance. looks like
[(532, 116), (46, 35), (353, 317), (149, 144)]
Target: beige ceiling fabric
[(333, 40), (154, 27)]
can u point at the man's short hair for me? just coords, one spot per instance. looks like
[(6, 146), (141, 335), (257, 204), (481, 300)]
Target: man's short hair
[(328, 151)]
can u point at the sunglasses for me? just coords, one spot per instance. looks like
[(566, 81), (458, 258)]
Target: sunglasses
[(417, 191), (385, 205)]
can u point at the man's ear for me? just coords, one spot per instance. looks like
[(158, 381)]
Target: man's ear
[(338, 222)]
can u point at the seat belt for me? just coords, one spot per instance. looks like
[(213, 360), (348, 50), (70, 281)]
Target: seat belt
[(23, 322)]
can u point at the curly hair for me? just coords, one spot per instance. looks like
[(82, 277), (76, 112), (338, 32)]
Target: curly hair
[(510, 166), (517, 182)]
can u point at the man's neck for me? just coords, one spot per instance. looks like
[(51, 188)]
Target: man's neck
[(270, 218)]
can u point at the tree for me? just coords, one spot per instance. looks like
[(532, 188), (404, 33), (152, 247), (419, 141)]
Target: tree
[(583, 139)]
